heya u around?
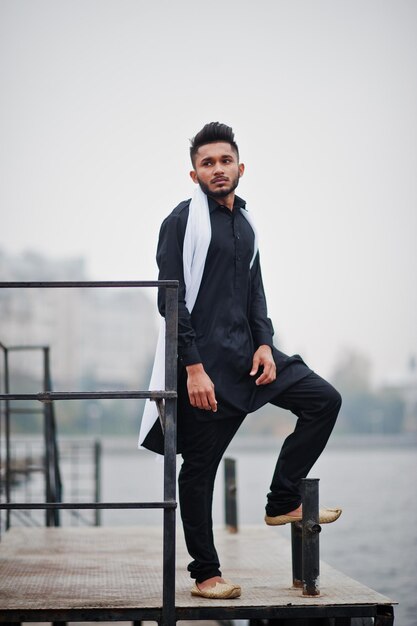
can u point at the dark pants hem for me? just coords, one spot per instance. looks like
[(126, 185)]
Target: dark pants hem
[(315, 403)]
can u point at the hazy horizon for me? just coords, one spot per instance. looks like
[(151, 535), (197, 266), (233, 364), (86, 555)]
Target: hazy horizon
[(100, 98)]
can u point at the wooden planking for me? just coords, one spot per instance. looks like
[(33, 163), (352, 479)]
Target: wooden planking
[(120, 568)]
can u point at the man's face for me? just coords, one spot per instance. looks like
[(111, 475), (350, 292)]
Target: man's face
[(216, 169)]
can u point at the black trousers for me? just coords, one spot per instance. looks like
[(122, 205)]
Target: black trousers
[(315, 403)]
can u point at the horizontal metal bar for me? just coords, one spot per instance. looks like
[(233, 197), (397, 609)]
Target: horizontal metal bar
[(231, 611), (32, 347), (10, 506), (23, 411), (48, 396), (80, 615), (274, 611), (68, 284)]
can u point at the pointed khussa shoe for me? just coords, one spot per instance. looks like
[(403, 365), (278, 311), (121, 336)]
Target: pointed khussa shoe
[(326, 516), (220, 591)]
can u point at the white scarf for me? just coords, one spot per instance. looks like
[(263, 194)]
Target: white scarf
[(196, 244)]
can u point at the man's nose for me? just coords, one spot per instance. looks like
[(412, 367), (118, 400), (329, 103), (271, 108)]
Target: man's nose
[(218, 168)]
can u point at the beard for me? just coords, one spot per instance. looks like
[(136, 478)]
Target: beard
[(219, 193)]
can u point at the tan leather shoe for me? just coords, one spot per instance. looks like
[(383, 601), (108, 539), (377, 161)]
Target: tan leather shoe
[(220, 591), (326, 516)]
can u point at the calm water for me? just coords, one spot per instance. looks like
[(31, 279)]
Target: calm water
[(375, 540)]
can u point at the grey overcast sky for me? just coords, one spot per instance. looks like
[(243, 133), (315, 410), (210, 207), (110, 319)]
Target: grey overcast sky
[(100, 97)]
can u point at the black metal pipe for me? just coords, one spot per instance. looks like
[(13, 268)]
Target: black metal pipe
[(7, 433), (25, 348), (97, 480), (170, 447), (297, 554), (29, 411), (88, 395), (1, 449), (230, 495), (49, 518), (70, 284), (2, 412), (53, 467), (56, 468), (8, 506), (311, 531)]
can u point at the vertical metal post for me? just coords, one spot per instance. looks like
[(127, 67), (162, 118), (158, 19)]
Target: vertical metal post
[(7, 434), (230, 495), (311, 530), (97, 480), (57, 488), (170, 446), (53, 468), (297, 554), (1, 448), (47, 439)]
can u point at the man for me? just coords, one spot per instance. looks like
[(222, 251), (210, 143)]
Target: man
[(228, 365)]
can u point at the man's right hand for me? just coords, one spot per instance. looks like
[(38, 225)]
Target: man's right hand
[(200, 388)]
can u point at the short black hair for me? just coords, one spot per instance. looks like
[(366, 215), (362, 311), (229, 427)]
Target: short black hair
[(211, 133)]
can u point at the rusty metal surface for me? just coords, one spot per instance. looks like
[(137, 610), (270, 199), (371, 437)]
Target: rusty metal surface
[(121, 568)]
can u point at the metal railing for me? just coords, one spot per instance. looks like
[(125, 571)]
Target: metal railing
[(166, 401), (79, 469), (53, 483)]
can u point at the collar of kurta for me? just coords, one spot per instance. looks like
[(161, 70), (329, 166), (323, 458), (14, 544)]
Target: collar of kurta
[(213, 204)]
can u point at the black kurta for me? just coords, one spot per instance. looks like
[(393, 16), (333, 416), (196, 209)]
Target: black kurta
[(229, 320)]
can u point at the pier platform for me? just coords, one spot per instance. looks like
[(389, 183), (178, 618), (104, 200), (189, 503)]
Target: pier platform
[(115, 574)]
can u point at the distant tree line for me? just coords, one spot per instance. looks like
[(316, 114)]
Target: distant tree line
[(365, 410)]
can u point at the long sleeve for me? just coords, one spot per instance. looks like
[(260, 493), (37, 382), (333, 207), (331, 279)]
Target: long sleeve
[(260, 324), (170, 263)]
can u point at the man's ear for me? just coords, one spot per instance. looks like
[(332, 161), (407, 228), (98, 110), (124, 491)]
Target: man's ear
[(193, 175), (241, 169)]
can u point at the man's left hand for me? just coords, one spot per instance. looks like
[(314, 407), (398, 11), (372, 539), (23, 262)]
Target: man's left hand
[(263, 358)]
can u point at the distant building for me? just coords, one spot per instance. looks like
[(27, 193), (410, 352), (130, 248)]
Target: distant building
[(98, 337), (405, 385)]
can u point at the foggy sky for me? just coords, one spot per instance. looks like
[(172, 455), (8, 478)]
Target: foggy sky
[(99, 100)]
